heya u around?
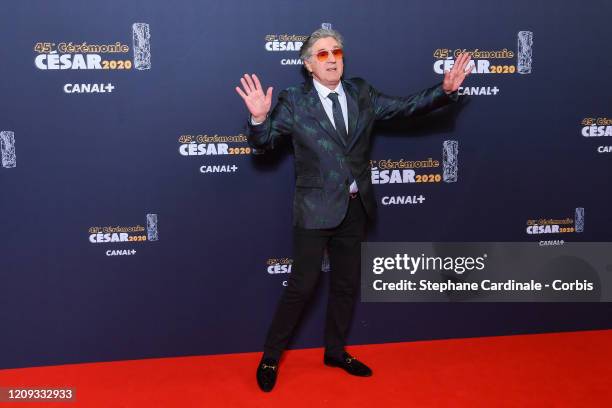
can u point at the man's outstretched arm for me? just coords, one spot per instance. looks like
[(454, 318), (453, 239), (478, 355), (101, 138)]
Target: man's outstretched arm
[(387, 107)]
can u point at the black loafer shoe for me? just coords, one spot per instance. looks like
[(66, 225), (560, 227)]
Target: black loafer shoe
[(350, 364), (266, 374)]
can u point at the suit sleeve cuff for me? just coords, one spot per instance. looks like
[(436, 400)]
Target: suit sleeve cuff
[(253, 121), (453, 96)]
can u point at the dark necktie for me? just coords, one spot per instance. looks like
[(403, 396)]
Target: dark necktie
[(338, 118)]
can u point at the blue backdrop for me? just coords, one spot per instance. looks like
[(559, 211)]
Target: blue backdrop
[(137, 223)]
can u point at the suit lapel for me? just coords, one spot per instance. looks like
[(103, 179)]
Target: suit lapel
[(353, 113)]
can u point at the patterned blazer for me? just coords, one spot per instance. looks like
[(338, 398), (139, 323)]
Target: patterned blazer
[(324, 162)]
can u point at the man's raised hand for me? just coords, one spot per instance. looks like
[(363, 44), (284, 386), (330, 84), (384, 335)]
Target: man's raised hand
[(254, 98), (454, 77)]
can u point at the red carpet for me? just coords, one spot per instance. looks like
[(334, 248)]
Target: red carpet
[(546, 370)]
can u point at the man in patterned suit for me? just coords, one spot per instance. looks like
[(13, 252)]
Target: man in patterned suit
[(329, 121)]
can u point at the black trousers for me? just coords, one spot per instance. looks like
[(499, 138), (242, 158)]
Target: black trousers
[(344, 248)]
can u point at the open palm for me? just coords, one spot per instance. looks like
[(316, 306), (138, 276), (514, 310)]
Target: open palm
[(256, 101), (454, 78)]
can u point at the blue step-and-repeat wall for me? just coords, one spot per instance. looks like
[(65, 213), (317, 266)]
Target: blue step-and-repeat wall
[(136, 221)]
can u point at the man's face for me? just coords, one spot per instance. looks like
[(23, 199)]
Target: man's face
[(329, 71)]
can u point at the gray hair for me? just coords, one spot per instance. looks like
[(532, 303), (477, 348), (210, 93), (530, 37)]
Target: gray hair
[(305, 51)]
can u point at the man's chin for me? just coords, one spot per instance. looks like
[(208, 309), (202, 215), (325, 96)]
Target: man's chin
[(330, 82), (335, 80)]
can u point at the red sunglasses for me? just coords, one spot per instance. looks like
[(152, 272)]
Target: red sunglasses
[(323, 55)]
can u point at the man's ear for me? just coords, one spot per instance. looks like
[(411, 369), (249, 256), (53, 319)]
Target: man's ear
[(308, 66)]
